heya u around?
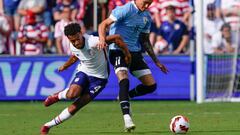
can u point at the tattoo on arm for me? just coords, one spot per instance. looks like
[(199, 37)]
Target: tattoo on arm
[(145, 42)]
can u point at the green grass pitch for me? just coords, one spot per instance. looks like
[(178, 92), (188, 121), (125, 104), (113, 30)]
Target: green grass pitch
[(104, 118)]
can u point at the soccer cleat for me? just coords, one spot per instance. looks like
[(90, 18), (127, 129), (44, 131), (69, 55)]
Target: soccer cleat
[(44, 130), (51, 99), (129, 125)]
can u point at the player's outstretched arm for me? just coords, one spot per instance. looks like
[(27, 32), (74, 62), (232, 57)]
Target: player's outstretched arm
[(68, 63), (102, 32), (119, 42), (145, 42)]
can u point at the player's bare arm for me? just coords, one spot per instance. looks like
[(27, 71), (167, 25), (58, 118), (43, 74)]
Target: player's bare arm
[(102, 32), (120, 43), (145, 42), (68, 63)]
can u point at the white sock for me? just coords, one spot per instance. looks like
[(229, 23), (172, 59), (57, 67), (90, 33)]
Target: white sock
[(63, 94), (64, 115), (126, 117), (128, 121)]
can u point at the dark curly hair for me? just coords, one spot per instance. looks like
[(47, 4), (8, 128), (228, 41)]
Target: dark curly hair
[(72, 29), (226, 25)]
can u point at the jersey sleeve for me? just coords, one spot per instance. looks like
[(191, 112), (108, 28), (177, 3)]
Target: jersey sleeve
[(93, 41), (120, 12)]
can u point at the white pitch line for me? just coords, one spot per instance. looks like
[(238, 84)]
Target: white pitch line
[(7, 115)]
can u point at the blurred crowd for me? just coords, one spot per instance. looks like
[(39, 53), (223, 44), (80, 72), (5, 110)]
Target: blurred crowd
[(35, 27)]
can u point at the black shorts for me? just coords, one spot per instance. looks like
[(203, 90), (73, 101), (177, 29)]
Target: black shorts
[(137, 68)]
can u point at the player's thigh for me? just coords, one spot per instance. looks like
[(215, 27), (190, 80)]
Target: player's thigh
[(74, 91), (116, 58), (140, 69), (78, 85), (96, 85)]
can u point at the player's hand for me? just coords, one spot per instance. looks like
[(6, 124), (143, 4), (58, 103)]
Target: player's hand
[(162, 67), (60, 69), (101, 44)]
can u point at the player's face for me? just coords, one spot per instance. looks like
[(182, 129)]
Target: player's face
[(143, 4), (76, 40)]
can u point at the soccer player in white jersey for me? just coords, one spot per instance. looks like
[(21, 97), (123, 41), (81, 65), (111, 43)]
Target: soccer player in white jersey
[(92, 75), (132, 21)]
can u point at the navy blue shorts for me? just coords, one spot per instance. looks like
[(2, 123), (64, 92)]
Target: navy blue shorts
[(90, 84), (137, 68)]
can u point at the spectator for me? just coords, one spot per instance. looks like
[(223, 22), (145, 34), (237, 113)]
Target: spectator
[(48, 17), (192, 3), (159, 14), (48, 21), (62, 43), (212, 25), (181, 6), (9, 8), (114, 3), (72, 4), (174, 32), (76, 6), (155, 25), (230, 10), (88, 20), (82, 9), (5, 30), (103, 9), (35, 6), (33, 35), (224, 41)]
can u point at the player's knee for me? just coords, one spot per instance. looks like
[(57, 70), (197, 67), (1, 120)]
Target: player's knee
[(72, 94), (151, 88)]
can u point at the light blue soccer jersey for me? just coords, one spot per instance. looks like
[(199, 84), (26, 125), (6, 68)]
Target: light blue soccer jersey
[(129, 23)]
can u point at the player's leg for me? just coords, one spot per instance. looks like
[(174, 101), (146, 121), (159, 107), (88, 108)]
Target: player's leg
[(64, 115), (148, 86), (69, 93), (88, 93), (67, 113), (124, 100), (79, 83), (121, 70), (141, 71)]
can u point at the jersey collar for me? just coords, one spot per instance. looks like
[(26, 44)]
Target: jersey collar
[(134, 4)]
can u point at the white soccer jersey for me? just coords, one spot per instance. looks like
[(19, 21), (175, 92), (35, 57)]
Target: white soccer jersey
[(93, 62)]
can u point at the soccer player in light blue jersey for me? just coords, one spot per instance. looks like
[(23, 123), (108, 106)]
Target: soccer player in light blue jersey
[(132, 22)]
